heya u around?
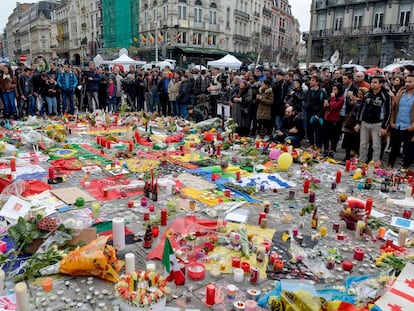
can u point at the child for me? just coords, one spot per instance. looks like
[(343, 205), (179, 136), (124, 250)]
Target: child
[(111, 100), (52, 90)]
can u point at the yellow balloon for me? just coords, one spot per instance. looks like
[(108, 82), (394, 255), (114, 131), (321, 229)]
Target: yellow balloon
[(285, 161)]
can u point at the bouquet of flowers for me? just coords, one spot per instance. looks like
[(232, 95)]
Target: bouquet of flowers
[(142, 289)]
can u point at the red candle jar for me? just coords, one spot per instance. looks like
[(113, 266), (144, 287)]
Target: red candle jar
[(51, 172), (246, 267), (407, 214), (108, 144), (151, 208), (368, 207), (235, 262), (257, 144), (163, 217), (155, 231), (261, 216), (347, 165), (306, 185), (359, 254), (146, 216), (218, 150), (278, 265), (226, 193), (131, 204), (347, 265), (210, 294), (295, 231), (144, 202), (273, 257), (338, 177), (238, 176), (131, 146), (340, 237), (13, 165)]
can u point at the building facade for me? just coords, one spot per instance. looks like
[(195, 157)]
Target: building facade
[(367, 32)]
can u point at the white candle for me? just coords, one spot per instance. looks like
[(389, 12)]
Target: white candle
[(129, 263), (238, 275), (359, 231), (402, 237), (118, 231), (22, 297), (2, 276), (150, 266), (408, 190)]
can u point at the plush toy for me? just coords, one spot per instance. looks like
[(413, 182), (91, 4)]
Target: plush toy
[(235, 241)]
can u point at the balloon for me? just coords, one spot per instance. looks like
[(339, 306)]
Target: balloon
[(274, 154), (285, 161)]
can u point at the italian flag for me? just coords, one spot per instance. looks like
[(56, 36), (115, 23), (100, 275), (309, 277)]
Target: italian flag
[(172, 270)]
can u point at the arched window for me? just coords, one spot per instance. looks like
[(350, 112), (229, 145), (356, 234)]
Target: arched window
[(213, 14)]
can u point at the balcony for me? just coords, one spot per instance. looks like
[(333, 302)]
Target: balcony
[(267, 12), (198, 25), (213, 27), (241, 38), (241, 14), (266, 29), (389, 29)]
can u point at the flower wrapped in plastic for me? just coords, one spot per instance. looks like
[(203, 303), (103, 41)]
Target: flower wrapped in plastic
[(96, 259)]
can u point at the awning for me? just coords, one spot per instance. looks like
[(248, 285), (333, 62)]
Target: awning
[(203, 51)]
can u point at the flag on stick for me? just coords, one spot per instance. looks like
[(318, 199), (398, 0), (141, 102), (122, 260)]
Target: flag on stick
[(172, 270)]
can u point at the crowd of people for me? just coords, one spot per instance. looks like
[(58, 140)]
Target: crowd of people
[(368, 114)]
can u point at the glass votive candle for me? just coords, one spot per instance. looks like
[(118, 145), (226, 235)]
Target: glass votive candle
[(238, 275), (235, 262), (215, 270), (150, 266)]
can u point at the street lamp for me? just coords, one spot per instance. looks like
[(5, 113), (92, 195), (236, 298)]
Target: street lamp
[(156, 34)]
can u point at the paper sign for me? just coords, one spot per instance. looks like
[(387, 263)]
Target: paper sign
[(401, 295), (46, 201), (15, 208), (70, 194), (402, 223)]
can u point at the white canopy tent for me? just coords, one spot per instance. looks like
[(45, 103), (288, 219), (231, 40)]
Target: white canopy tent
[(123, 60), (227, 61)]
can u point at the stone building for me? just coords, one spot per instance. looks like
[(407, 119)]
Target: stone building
[(368, 32)]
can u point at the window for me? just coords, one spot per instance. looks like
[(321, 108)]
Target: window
[(378, 20), (165, 13), (182, 9), (228, 18), (197, 38), (405, 18), (198, 15), (338, 24), (213, 14), (357, 22)]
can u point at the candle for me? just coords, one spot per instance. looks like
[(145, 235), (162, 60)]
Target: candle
[(250, 305), (359, 231), (257, 144), (210, 294), (235, 262), (359, 254), (312, 197), (150, 266), (96, 208), (163, 217), (47, 284), (151, 208), (118, 230), (333, 186), (261, 216), (108, 144), (323, 230), (129, 263), (146, 216), (144, 202), (2, 276), (347, 165), (368, 207), (408, 191), (246, 267), (22, 297), (338, 177), (306, 185), (131, 146), (51, 172), (13, 165), (238, 176), (218, 150), (402, 236), (407, 214), (381, 232), (238, 275)]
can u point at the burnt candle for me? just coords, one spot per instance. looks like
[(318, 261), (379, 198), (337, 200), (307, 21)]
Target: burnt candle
[(163, 217), (210, 294), (368, 207), (359, 254), (261, 216)]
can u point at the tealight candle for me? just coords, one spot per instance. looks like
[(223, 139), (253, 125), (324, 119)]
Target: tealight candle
[(250, 305), (359, 254), (22, 296), (144, 202), (129, 263)]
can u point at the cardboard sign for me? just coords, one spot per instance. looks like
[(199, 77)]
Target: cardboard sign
[(15, 208)]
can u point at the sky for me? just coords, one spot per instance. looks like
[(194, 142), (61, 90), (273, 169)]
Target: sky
[(300, 9)]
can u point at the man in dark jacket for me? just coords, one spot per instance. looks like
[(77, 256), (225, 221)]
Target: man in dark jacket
[(92, 79), (25, 91), (183, 97), (280, 90)]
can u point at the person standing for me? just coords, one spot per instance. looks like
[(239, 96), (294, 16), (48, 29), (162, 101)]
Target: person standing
[(183, 97), (8, 85), (214, 89), (240, 104), (93, 79), (51, 94), (402, 124), (25, 90), (373, 119), (265, 101), (173, 90), (111, 100), (67, 82), (316, 99), (163, 91)]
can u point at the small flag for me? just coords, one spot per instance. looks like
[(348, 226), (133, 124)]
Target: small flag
[(195, 38), (210, 39), (65, 118), (143, 39), (151, 38), (178, 36), (160, 36), (135, 40), (172, 270)]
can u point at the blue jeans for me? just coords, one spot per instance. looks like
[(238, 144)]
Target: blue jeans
[(184, 112), (68, 95), (51, 105), (294, 140), (155, 102), (174, 108), (9, 101), (27, 106)]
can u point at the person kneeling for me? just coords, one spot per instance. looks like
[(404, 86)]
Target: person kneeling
[(291, 129)]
